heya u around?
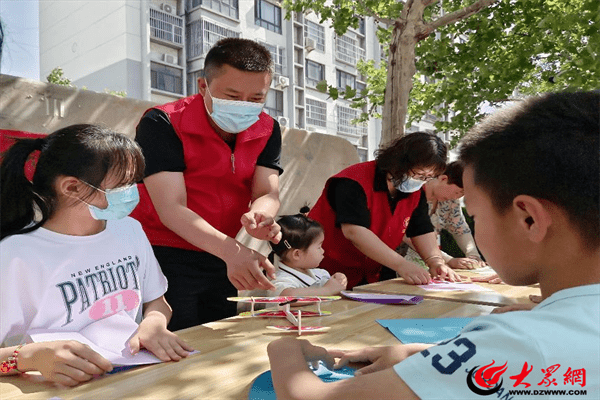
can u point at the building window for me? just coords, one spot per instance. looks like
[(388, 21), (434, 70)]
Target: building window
[(363, 154), (315, 73), (203, 34), (278, 57), (345, 79), (316, 113), (361, 25), (274, 103), (347, 50), (345, 116), (166, 78), (192, 81), (317, 33), (165, 26), (360, 87), (229, 8), (267, 15)]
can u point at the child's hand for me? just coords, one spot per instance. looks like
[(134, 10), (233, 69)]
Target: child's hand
[(67, 362), (154, 337), (312, 354), (336, 283), (341, 278), (379, 358)]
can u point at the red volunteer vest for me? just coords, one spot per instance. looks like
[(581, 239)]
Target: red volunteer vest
[(340, 254), (218, 181)]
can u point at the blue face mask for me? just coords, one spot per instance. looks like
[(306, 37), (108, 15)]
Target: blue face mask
[(234, 116), (121, 202), (410, 185)]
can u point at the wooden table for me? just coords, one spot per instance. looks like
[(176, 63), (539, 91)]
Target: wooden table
[(501, 294), (233, 354)]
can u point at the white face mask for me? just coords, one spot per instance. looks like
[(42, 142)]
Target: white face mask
[(410, 185), (234, 116)]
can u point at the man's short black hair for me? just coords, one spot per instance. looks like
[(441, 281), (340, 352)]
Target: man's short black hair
[(545, 147), (243, 54)]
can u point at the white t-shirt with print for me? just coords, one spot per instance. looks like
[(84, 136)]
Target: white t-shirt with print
[(560, 336), (63, 282), (287, 278)]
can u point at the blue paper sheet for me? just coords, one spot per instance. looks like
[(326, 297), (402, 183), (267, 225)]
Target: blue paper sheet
[(262, 387), (424, 330)]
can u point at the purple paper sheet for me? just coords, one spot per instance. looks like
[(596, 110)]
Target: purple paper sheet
[(383, 298)]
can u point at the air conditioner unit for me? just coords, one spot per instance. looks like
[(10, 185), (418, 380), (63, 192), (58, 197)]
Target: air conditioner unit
[(166, 8), (283, 121), (309, 44), (282, 81), (311, 129), (171, 59)]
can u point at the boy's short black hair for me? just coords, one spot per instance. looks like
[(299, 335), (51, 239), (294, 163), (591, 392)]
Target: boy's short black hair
[(545, 147), (243, 54), (454, 172)]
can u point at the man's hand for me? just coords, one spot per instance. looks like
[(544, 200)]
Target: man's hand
[(261, 226), (245, 267)]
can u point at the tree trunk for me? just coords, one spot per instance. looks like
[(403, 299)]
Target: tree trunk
[(401, 70)]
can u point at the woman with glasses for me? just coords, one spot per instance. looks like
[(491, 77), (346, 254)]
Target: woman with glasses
[(368, 208), (445, 211)]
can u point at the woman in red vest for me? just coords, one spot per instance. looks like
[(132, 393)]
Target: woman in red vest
[(367, 208)]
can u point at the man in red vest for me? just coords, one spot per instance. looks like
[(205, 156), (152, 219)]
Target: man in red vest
[(212, 166)]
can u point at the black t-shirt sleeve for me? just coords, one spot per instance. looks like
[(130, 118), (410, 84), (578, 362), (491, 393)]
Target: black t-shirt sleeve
[(270, 157), (160, 144), (420, 223), (349, 202)]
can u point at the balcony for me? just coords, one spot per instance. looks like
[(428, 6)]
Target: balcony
[(348, 51), (345, 127), (166, 27)]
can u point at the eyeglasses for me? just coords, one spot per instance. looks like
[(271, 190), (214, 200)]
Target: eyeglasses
[(421, 176)]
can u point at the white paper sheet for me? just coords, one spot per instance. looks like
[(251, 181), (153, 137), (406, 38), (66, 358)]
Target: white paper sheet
[(109, 337)]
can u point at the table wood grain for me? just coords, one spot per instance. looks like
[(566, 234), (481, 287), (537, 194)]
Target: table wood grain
[(233, 353), (500, 294)]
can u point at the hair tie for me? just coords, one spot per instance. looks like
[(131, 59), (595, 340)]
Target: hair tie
[(39, 143)]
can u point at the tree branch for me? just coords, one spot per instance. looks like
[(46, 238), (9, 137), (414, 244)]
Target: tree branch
[(407, 6), (458, 15), (427, 3), (375, 15)]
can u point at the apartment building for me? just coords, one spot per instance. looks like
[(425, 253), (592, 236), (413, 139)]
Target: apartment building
[(155, 49)]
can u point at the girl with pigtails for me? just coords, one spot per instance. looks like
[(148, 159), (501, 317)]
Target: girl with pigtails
[(70, 256), (297, 257)]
